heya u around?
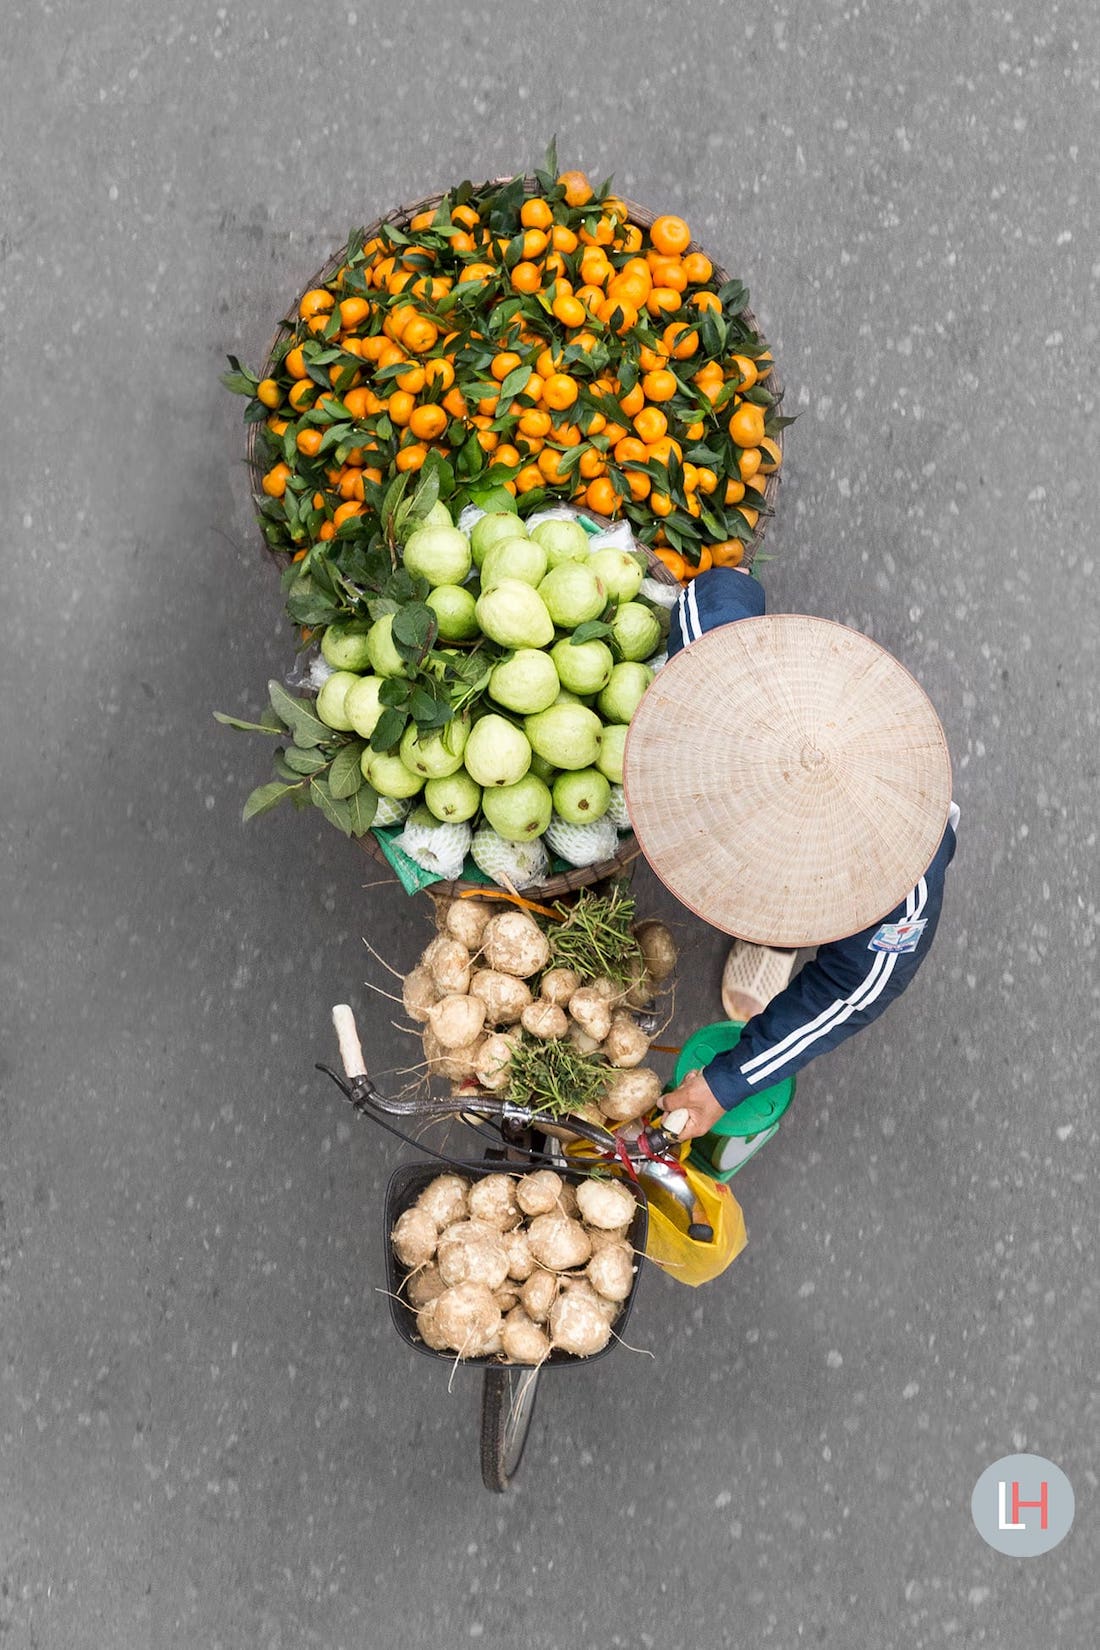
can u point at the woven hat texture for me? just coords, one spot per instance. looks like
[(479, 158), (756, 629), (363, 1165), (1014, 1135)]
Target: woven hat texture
[(787, 779)]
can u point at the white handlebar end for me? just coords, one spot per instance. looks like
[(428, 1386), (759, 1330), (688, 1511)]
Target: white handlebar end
[(350, 1051), (676, 1120)]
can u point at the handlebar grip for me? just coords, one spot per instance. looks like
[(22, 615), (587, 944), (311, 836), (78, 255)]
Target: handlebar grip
[(350, 1051), (675, 1121)]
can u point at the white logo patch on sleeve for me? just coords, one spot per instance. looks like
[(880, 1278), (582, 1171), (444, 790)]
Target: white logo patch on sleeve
[(898, 936)]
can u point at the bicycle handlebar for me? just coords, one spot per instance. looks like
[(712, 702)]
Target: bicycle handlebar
[(351, 1051), (363, 1096)]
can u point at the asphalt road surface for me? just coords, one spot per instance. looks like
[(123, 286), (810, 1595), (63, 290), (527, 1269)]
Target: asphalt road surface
[(210, 1435)]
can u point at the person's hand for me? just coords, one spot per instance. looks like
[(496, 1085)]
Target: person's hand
[(694, 1096)]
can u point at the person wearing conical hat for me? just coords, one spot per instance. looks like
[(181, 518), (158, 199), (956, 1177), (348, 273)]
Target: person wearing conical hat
[(789, 782)]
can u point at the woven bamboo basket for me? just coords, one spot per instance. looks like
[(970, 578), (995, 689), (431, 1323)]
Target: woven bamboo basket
[(565, 882)]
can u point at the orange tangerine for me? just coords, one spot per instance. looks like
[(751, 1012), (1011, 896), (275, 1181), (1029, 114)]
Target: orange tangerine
[(315, 302), (670, 234), (697, 267), (659, 385), (746, 426), (559, 391), (634, 399), (309, 441), (428, 422), (535, 213), (526, 277), (274, 482)]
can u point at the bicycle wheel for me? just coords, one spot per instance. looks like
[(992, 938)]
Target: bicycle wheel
[(507, 1406)]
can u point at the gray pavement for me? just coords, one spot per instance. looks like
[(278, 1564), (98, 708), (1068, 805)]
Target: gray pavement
[(209, 1434)]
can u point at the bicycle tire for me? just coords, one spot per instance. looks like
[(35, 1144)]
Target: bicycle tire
[(508, 1395)]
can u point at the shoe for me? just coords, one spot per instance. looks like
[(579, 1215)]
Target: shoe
[(753, 975)]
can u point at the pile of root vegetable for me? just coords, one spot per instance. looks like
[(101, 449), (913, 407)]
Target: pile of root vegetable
[(543, 1012), (517, 1266)]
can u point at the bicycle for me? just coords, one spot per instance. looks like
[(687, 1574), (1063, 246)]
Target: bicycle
[(643, 1154)]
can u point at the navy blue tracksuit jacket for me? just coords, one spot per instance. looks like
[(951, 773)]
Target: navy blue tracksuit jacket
[(850, 981)]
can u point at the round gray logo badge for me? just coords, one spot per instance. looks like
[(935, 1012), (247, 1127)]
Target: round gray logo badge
[(1023, 1505)]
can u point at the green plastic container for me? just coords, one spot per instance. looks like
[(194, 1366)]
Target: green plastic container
[(750, 1125)]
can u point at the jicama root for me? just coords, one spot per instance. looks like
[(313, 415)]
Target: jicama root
[(466, 921), (631, 1094), (444, 1199), (558, 1242), (523, 1341), (457, 1021), (577, 1321), (538, 1193), (493, 1200), (419, 994), (466, 1318), (544, 1020), (515, 944), (471, 1252), (414, 1237), (505, 997), (605, 1203), (611, 1271), (558, 985), (592, 1012), (658, 948), (448, 963), (625, 1044), (539, 1294)]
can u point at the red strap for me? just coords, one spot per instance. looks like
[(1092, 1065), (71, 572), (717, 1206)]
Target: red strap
[(624, 1157)]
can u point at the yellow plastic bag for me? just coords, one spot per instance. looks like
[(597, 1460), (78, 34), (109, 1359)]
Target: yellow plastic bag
[(669, 1247), (667, 1243)]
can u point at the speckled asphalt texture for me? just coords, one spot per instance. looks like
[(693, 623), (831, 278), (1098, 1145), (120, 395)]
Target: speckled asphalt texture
[(210, 1435)]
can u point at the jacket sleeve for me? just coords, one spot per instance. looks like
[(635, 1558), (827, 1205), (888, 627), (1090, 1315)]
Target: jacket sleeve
[(719, 596), (847, 985)]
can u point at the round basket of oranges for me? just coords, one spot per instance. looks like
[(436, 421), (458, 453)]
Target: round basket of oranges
[(530, 334)]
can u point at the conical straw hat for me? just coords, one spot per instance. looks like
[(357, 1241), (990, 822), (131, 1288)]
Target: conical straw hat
[(787, 779)]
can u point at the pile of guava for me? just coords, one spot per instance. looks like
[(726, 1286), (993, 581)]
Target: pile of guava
[(546, 641)]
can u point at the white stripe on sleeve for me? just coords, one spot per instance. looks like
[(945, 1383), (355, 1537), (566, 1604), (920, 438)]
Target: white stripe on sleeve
[(766, 1063)]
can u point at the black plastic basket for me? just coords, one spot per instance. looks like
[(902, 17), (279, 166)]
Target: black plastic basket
[(407, 1182)]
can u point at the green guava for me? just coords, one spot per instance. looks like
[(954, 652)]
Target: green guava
[(519, 812), (439, 554), (490, 529), (362, 707), (455, 613), (454, 798), (331, 704), (582, 796), (636, 630), (566, 735), (389, 775), (527, 682), (572, 594), (384, 657), (562, 540), (582, 667), (515, 616), (620, 572), (496, 753), (513, 558), (439, 753), (623, 694), (345, 648), (612, 745), (437, 516)]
